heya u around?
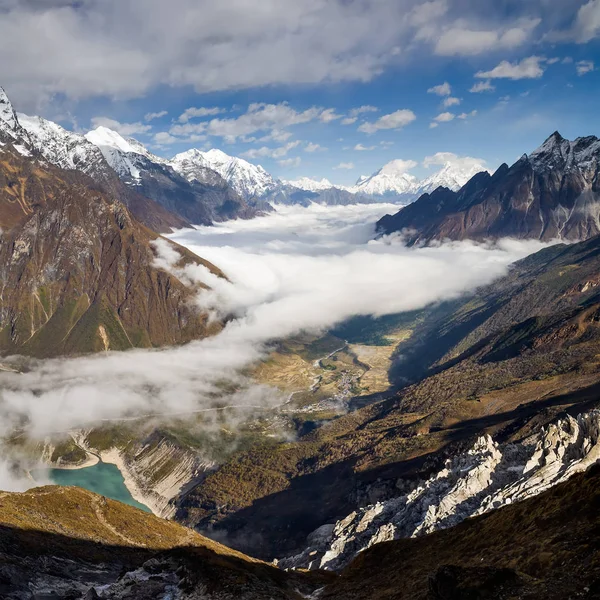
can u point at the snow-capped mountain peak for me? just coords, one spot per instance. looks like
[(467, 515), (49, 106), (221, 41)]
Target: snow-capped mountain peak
[(453, 175), (391, 179), (125, 155), (246, 179), (7, 112), (65, 149), (311, 185)]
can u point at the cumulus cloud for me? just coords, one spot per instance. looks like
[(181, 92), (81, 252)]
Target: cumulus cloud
[(395, 120), (329, 115), (126, 49), (312, 147), (466, 115), (290, 162), (155, 115), (482, 86), (260, 117), (271, 152), (584, 66), (199, 112), (444, 117), (463, 41), (450, 101), (360, 110), (445, 158), (443, 89), (528, 68), (345, 165), (126, 129), (361, 148)]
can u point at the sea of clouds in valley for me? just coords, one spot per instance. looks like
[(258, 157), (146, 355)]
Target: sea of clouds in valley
[(295, 270)]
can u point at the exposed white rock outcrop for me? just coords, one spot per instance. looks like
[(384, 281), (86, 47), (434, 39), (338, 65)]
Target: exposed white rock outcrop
[(486, 477)]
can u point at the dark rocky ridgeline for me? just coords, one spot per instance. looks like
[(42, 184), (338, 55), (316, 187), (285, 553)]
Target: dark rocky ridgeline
[(68, 543), (552, 193), (77, 270)]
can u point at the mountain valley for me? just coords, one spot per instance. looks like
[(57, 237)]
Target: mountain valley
[(273, 366)]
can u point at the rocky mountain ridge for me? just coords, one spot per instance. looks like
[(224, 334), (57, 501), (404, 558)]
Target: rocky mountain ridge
[(551, 194), (78, 272), (486, 477)]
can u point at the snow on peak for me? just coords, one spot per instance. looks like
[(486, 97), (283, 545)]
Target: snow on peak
[(7, 113), (558, 152), (391, 179), (127, 156), (63, 148), (311, 185), (452, 175), (108, 138), (246, 179)]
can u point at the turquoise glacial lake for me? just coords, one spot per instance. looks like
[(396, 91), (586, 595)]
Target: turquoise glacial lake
[(101, 478)]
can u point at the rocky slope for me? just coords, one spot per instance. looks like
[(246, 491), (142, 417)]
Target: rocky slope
[(552, 193), (67, 543), (513, 356), (77, 271), (488, 476), (542, 548)]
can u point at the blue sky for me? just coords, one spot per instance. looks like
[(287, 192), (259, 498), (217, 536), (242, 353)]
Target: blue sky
[(282, 82)]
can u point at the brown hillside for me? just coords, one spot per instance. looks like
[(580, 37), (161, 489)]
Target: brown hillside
[(77, 272)]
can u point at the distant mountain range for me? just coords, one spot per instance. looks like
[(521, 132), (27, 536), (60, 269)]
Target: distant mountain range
[(553, 193), (205, 186)]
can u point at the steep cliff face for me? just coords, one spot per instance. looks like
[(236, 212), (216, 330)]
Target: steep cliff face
[(77, 271), (552, 193), (486, 477)]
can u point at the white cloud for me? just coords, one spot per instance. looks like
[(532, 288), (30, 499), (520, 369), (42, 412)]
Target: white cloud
[(291, 162), (400, 165), (584, 66), (444, 117), (276, 135), (271, 152), (202, 111), (443, 89), (482, 86), (355, 112), (553, 61), (345, 165), (164, 138), (433, 125), (349, 120), (586, 26), (528, 68), (188, 129), (312, 147), (362, 148), (450, 101), (296, 270), (395, 120), (444, 158), (466, 115), (126, 129), (155, 115), (261, 117), (463, 41), (329, 115)]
